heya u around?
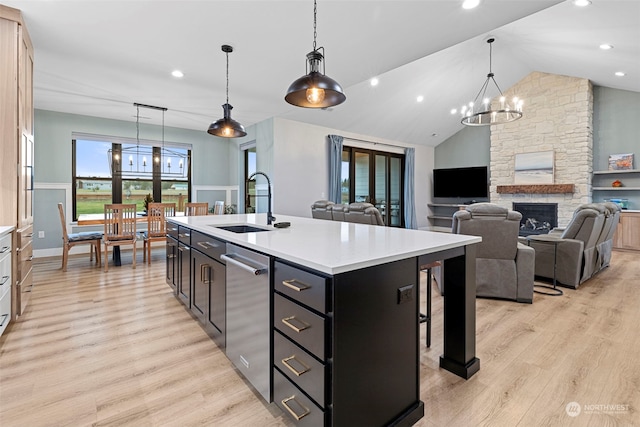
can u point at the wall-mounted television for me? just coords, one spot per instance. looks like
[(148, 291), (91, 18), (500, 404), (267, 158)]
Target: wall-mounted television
[(461, 182)]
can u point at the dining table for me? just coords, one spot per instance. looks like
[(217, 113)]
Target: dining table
[(98, 219)]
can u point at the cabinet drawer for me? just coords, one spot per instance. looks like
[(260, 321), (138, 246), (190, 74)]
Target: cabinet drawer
[(5, 246), (294, 403), (5, 311), (5, 275), (308, 288), (184, 235), (24, 236), (25, 262), (208, 245), (172, 230), (300, 367), (299, 324)]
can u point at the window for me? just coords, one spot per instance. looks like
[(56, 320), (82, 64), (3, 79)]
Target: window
[(250, 166), (375, 177), (115, 171)]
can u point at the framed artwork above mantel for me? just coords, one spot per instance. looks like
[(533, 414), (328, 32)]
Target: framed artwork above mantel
[(533, 168)]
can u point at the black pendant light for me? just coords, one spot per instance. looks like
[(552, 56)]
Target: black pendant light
[(315, 89), (226, 127)]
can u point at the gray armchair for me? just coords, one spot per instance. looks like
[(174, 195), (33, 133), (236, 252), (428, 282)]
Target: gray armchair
[(504, 266), (577, 248)]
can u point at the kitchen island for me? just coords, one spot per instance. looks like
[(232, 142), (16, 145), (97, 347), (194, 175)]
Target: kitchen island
[(342, 306)]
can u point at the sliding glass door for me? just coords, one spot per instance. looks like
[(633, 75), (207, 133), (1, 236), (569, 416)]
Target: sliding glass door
[(376, 177)]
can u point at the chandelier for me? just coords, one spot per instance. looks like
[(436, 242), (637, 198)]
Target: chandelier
[(315, 89), (143, 161), (490, 111)]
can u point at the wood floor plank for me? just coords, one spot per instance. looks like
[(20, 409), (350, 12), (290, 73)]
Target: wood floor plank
[(118, 349)]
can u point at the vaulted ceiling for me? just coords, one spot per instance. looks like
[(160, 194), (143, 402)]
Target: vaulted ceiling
[(99, 57)]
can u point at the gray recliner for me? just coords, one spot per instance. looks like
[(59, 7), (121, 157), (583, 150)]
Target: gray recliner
[(321, 209), (364, 213), (605, 242), (577, 251), (504, 266)]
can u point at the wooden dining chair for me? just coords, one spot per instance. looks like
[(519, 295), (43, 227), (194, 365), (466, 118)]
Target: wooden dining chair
[(192, 209), (218, 208), (156, 226), (119, 228), (70, 240)]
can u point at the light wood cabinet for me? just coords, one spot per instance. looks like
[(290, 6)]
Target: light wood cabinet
[(17, 144), (627, 236)]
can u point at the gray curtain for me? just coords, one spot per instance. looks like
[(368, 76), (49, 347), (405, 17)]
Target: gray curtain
[(335, 168), (409, 192)]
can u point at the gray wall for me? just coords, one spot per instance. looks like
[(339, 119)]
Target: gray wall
[(616, 125), (471, 146)]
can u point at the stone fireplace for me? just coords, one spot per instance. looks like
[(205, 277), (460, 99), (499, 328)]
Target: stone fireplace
[(558, 112), (537, 218)]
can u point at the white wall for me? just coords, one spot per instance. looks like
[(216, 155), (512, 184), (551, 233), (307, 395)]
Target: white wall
[(300, 172)]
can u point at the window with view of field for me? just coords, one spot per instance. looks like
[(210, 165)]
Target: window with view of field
[(126, 172)]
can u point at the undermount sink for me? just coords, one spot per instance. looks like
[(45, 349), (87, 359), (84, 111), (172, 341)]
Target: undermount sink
[(242, 228)]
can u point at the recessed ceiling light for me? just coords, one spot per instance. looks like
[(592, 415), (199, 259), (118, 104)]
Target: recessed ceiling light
[(177, 73), (620, 73), (606, 46), (374, 81), (470, 4), (581, 3), (420, 98)]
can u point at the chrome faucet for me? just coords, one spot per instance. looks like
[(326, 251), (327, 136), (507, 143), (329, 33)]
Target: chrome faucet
[(270, 216)]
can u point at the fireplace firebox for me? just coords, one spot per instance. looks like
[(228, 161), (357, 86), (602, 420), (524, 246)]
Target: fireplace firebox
[(537, 218)]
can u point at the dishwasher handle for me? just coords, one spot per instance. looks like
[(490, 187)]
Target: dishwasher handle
[(231, 258)]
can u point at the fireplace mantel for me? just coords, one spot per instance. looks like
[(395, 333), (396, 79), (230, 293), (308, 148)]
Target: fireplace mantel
[(536, 189)]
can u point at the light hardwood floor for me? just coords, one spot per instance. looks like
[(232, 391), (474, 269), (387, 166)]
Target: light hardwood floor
[(116, 348)]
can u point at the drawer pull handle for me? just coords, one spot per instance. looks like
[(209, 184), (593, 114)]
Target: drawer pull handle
[(205, 273), (4, 280), (286, 363), (305, 412), (4, 249), (208, 245), (287, 321), (170, 256), (295, 284), (6, 316)]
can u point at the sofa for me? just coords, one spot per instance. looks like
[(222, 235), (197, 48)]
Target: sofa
[(358, 212)]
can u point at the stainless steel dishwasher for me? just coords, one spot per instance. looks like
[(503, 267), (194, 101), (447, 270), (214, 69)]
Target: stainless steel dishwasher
[(248, 316)]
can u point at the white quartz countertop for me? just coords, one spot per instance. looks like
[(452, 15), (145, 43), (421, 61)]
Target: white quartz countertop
[(331, 247), (5, 229)]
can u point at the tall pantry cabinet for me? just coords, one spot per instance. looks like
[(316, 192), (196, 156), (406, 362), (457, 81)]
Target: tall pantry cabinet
[(16, 143)]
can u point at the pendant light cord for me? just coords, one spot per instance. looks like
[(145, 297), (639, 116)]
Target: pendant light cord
[(315, 32), (490, 56), (227, 53), (137, 135)]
